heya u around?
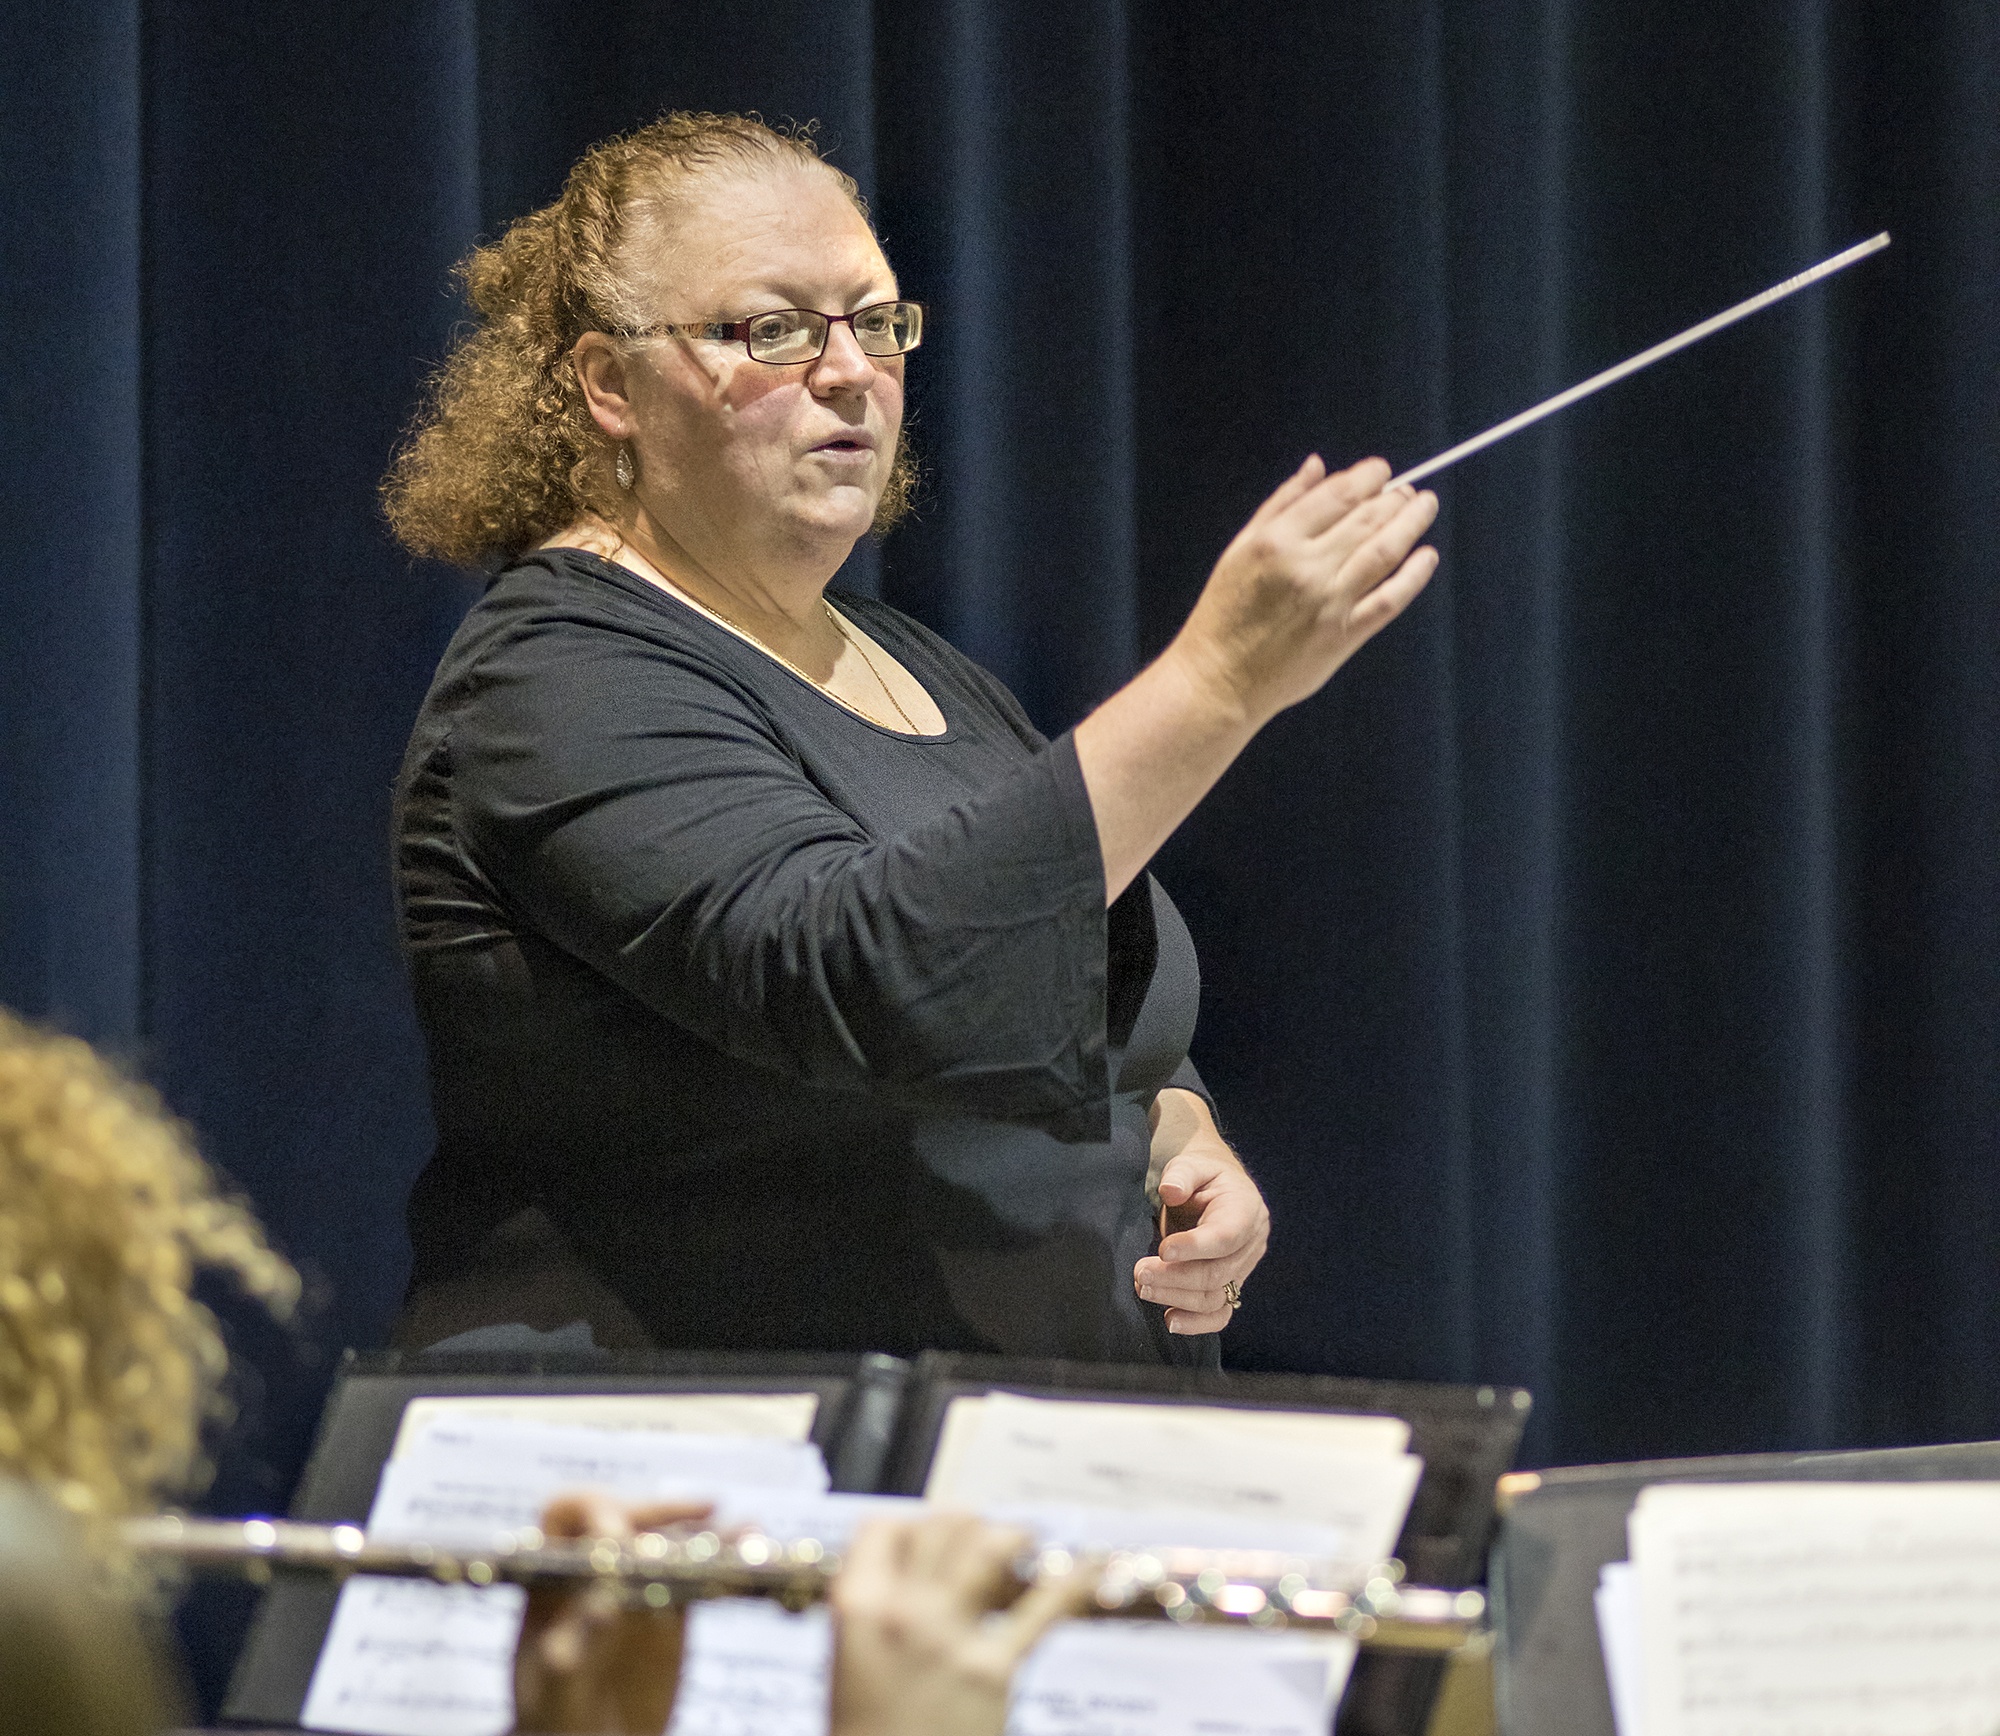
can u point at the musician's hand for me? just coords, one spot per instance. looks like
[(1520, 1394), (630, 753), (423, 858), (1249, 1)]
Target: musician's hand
[(1218, 1221), (1322, 567), (918, 1647), (585, 1662)]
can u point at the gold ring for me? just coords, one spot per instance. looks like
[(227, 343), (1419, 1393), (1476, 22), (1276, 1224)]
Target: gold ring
[(1232, 1294)]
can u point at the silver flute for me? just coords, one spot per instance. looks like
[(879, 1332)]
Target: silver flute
[(1249, 1588)]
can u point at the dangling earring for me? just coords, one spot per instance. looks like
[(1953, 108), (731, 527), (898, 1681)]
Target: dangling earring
[(623, 469)]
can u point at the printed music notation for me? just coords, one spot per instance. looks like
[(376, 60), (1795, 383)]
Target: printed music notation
[(430, 1660), (1807, 1609)]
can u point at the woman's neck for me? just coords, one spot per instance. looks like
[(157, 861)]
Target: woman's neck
[(783, 609)]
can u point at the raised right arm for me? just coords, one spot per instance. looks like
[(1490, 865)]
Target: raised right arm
[(1322, 566)]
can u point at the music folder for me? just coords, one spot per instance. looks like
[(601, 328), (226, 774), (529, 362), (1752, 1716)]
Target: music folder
[(1560, 1528), (1466, 1435), (856, 1402)]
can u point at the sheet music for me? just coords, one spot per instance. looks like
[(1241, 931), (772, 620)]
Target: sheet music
[(755, 1671), (783, 1415), (1200, 1430), (1344, 1473), (409, 1659), (1070, 1526), (1620, 1634), (1820, 1609), (1145, 1679), (751, 1668), (406, 1658), (463, 1478), (1328, 1486)]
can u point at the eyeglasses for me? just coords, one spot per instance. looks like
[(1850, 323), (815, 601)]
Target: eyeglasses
[(798, 334)]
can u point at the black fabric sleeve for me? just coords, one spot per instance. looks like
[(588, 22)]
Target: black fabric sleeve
[(635, 804)]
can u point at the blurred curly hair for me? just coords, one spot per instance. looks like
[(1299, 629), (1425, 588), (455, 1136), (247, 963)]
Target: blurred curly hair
[(502, 452), (109, 1367)]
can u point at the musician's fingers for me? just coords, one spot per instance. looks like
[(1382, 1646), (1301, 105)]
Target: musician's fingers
[(584, 1513), (1332, 500), (1187, 1173), (1386, 543), (872, 1548), (1189, 1323), (871, 1562), (1201, 1291), (1336, 548), (1039, 1608), (1395, 593), (1232, 1220), (1300, 482), (656, 1515), (982, 1568), (587, 1663), (937, 1543), (1210, 1274), (558, 1631), (593, 1513)]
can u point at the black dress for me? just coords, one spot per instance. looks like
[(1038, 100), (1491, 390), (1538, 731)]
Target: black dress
[(754, 1025)]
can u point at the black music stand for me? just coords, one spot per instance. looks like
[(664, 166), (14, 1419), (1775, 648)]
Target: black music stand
[(1556, 1537), (859, 1398), (1467, 1437)]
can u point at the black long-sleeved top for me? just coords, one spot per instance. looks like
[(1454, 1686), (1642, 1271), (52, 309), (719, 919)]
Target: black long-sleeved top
[(804, 1033)]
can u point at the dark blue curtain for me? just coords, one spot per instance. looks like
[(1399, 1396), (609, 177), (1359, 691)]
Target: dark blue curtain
[(1603, 976)]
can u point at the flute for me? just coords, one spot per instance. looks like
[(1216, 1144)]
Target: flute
[(1252, 1588)]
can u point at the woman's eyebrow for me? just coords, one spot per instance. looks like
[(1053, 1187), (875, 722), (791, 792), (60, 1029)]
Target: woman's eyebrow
[(781, 294)]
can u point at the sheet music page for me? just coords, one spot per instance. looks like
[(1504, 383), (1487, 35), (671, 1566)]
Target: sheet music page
[(406, 1658), (1153, 1679), (784, 1415), (752, 1668), (463, 1478), (1348, 1473), (1336, 1488), (1820, 1609), (1074, 1527), (1109, 1678), (1620, 1633), (965, 1422)]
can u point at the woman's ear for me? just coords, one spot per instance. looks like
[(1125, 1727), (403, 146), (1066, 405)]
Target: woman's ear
[(600, 370)]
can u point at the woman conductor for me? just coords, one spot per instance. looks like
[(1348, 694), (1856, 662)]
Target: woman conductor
[(782, 987)]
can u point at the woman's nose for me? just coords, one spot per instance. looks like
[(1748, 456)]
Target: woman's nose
[(843, 365)]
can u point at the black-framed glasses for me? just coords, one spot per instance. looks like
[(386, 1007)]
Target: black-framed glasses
[(799, 334)]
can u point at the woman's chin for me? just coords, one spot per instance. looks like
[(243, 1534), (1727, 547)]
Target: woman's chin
[(842, 513)]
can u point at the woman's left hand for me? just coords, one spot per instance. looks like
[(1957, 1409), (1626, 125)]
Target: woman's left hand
[(1218, 1221)]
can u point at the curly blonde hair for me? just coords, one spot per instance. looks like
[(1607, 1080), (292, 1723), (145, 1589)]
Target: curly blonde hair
[(109, 1367), (503, 452)]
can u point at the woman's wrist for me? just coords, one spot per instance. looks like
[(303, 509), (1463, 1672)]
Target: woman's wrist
[(1216, 695), (1179, 1116), (1149, 754)]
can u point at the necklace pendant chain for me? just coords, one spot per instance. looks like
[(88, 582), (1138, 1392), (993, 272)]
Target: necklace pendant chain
[(811, 680), (881, 681)]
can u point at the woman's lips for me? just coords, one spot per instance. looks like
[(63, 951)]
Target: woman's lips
[(846, 448)]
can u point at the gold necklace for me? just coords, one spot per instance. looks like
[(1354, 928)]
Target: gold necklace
[(881, 681), (777, 656)]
